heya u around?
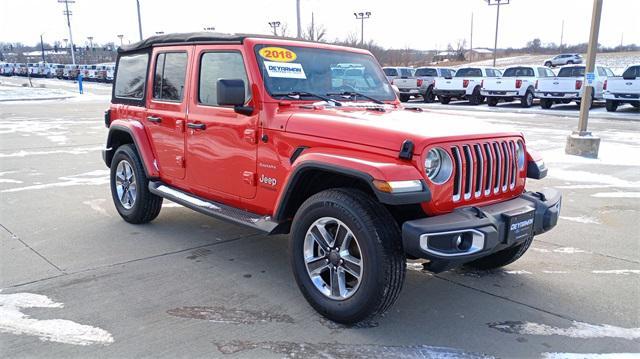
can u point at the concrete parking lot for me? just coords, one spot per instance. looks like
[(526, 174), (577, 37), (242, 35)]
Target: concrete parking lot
[(77, 281)]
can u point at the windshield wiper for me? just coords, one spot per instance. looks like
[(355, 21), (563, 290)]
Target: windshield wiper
[(298, 94), (355, 95)]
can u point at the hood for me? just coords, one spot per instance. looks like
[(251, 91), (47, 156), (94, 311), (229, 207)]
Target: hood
[(391, 128)]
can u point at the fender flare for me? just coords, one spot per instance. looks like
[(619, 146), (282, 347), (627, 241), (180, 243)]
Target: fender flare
[(374, 167), (137, 133)]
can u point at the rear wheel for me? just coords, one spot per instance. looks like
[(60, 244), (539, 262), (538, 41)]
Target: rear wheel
[(428, 96), (547, 64), (404, 98), (546, 103), (130, 187), (476, 98), (570, 62), (492, 101), (346, 255), (611, 105), (527, 99), (444, 99), (502, 258)]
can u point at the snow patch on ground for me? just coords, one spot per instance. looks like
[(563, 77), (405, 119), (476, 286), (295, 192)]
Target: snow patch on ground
[(617, 271), (616, 195), (610, 153), (13, 321), (581, 219), (517, 272), (563, 250), (577, 330), (590, 356), (588, 177), (97, 205), (14, 93), (8, 180), (93, 178), (71, 151)]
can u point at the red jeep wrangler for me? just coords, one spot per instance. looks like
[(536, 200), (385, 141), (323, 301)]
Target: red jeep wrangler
[(310, 139)]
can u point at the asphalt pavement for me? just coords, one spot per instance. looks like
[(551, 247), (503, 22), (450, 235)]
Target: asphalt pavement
[(78, 281)]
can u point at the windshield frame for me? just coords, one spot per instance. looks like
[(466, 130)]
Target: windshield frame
[(392, 97)]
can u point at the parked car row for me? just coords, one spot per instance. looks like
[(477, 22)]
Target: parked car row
[(97, 72), (524, 83)]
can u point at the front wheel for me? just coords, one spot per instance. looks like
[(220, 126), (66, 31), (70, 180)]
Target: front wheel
[(130, 187), (346, 255), (611, 105), (404, 98), (428, 96)]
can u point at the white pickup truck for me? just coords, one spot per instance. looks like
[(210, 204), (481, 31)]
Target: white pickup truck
[(625, 89), (516, 82), (403, 79), (426, 78), (465, 85), (568, 85)]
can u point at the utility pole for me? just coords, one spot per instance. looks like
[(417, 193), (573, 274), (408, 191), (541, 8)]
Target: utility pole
[(495, 44), (313, 28), (42, 48), (298, 19), (582, 142), (68, 14), (139, 19), (362, 16), (274, 25), (562, 33), (471, 42), (90, 38), (120, 37)]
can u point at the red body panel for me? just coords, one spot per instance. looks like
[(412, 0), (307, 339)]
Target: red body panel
[(244, 161)]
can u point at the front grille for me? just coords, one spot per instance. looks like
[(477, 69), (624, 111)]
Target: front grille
[(484, 169)]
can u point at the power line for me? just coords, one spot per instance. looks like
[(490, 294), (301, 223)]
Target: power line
[(68, 14)]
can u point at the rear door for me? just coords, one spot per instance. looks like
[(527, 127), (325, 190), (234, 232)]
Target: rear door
[(221, 143), (167, 108)]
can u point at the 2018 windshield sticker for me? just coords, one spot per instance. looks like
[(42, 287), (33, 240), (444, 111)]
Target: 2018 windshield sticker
[(278, 54), (285, 70)]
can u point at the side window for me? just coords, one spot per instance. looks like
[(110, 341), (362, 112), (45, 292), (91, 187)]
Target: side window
[(131, 76), (169, 76), (219, 65)]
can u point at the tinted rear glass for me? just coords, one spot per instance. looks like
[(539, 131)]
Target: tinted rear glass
[(631, 72), (426, 72), (518, 72), (405, 72), (571, 72), (390, 72), (130, 79), (469, 72)]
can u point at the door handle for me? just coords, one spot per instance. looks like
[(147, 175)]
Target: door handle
[(154, 119), (196, 126)]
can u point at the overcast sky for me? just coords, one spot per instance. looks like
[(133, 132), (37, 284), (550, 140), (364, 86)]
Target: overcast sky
[(420, 24)]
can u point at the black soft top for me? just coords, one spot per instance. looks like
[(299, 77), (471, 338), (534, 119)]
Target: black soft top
[(190, 37)]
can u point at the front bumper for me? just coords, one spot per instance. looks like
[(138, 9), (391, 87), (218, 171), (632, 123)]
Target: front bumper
[(487, 229)]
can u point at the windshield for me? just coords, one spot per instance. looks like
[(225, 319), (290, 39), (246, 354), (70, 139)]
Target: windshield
[(469, 72), (577, 71), (292, 69)]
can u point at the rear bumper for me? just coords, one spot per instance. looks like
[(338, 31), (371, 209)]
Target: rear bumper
[(558, 95), (483, 230), (622, 96), (450, 93), (491, 93), (409, 91)]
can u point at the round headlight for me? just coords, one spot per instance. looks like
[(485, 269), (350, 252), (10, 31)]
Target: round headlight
[(520, 154), (438, 165)]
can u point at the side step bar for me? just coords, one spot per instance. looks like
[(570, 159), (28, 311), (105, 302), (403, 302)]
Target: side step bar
[(215, 209)]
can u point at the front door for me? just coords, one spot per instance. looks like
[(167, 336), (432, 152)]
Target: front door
[(167, 110), (221, 144)]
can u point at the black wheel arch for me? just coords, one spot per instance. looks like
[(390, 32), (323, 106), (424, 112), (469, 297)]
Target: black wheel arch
[(118, 136)]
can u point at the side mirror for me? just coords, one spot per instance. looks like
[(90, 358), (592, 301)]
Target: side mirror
[(231, 92)]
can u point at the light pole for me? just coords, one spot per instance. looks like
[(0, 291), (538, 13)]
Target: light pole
[(362, 16), (299, 33), (562, 34), (120, 37), (67, 12), (274, 25), (139, 20), (42, 48), (90, 38), (582, 142), (497, 3)]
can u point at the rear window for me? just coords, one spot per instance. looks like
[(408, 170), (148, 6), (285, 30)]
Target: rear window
[(571, 72), (390, 72), (405, 73), (469, 72), (631, 73), (427, 72), (130, 78), (446, 73), (519, 72)]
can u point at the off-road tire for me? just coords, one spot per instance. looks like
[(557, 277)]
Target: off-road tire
[(492, 101), (502, 258), (546, 103), (379, 238), (444, 100), (147, 205), (428, 96), (527, 100), (611, 105), (476, 98), (404, 98)]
